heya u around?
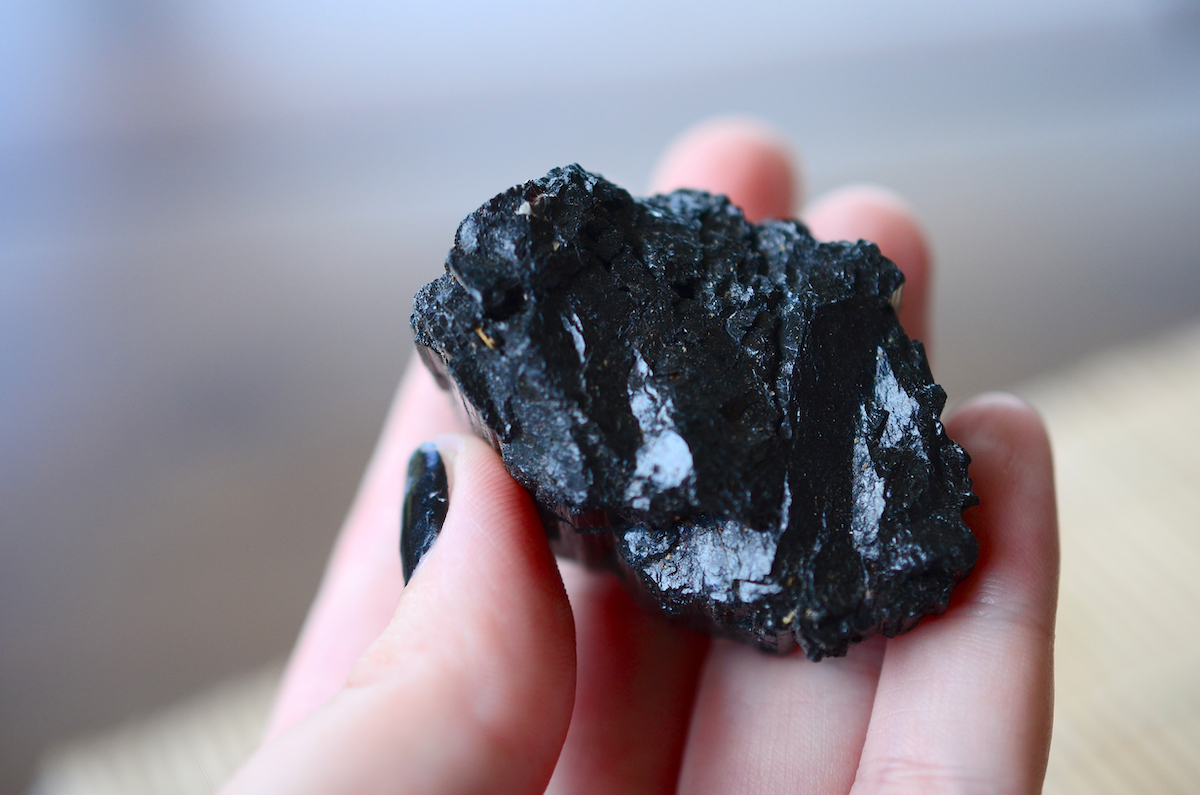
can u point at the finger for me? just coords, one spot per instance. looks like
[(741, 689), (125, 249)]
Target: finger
[(635, 683), (763, 724), (363, 579), (744, 159), (964, 702), (637, 674), (878, 215), (470, 687), (779, 724)]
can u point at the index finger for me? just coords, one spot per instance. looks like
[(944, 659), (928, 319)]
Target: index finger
[(363, 580)]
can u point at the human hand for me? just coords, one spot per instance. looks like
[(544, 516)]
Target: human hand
[(480, 676)]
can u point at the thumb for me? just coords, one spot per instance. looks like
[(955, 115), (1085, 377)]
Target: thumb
[(470, 688)]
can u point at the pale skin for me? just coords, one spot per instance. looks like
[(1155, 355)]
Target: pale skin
[(501, 670)]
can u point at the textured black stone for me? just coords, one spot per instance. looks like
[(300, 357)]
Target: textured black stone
[(727, 414)]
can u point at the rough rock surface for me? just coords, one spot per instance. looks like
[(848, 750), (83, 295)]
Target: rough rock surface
[(727, 414)]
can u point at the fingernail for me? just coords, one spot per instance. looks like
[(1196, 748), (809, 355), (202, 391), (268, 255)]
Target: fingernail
[(426, 498)]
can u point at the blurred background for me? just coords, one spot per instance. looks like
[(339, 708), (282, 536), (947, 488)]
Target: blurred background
[(213, 216)]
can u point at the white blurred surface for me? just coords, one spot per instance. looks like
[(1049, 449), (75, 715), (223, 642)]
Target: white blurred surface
[(213, 216), (84, 66)]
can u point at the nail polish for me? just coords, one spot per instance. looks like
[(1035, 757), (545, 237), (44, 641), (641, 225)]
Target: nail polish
[(426, 496)]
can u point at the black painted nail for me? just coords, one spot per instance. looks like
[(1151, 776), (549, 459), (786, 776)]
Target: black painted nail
[(426, 496)]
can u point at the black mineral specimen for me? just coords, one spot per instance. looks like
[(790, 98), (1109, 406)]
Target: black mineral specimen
[(727, 414)]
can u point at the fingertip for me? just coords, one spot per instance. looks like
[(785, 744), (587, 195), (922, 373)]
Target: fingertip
[(870, 212), (843, 214), (470, 687), (490, 572), (363, 578), (1008, 443), (1005, 420), (991, 654), (1016, 519), (743, 158)]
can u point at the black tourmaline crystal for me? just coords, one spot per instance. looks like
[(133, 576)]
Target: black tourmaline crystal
[(726, 414)]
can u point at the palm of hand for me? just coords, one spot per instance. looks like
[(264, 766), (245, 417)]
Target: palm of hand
[(496, 672)]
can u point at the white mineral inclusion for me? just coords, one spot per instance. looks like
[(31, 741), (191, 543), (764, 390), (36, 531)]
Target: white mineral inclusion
[(722, 561), (867, 493), (468, 235), (664, 459), (575, 326), (900, 429)]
